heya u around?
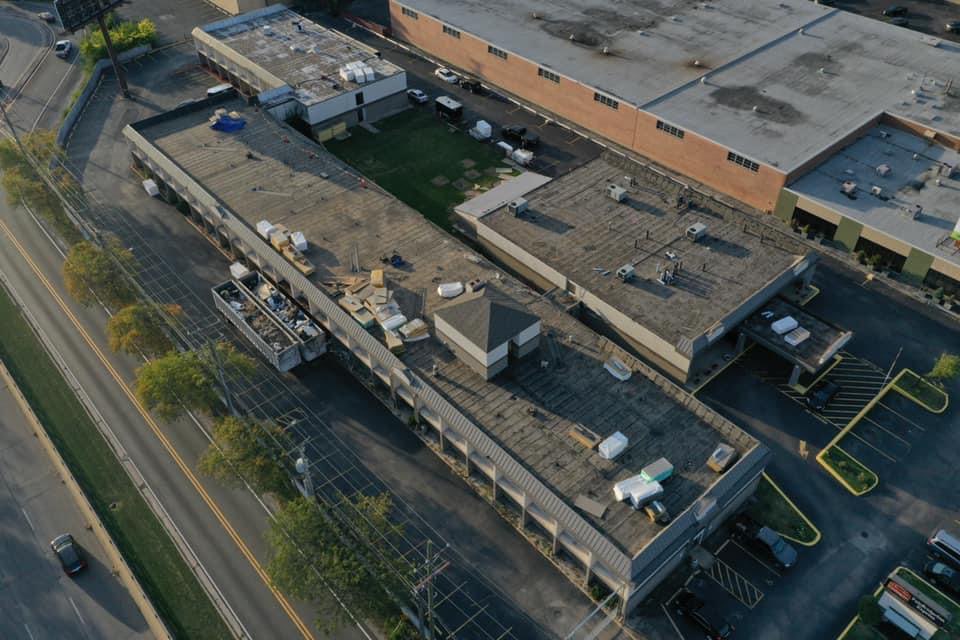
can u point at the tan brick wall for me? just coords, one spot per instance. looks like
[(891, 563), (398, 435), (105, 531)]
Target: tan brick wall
[(694, 156)]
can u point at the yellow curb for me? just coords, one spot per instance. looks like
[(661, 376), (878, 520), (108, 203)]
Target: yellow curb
[(800, 513), (846, 630), (839, 478), (910, 396), (815, 291), (799, 388), (147, 610)]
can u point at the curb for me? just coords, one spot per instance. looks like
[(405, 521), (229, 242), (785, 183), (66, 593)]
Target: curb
[(910, 396), (800, 513), (120, 566)]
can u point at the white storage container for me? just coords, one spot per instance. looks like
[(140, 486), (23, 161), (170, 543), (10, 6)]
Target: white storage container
[(623, 489), (298, 240), (613, 446), (151, 188), (394, 322), (506, 148), (450, 289), (522, 157), (796, 336), (483, 128), (238, 270), (644, 493), (264, 228), (784, 325)]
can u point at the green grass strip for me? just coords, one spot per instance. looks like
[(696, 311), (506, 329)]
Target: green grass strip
[(418, 158), (774, 509), (921, 391), (144, 543), (859, 478)]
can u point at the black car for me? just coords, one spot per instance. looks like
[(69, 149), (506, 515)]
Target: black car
[(765, 540), (821, 394), (68, 553), (519, 133), (943, 576), (952, 27), (894, 11), (471, 84), (687, 604)]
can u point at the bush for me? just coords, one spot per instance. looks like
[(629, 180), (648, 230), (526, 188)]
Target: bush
[(125, 36), (947, 367)]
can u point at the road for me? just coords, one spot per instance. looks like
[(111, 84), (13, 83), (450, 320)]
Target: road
[(40, 83), (39, 601)]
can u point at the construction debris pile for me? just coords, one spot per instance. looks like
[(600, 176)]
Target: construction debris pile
[(369, 301), (292, 245), (248, 311)]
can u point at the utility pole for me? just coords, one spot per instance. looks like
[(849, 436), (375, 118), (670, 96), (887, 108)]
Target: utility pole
[(215, 358), (121, 76), (6, 118)]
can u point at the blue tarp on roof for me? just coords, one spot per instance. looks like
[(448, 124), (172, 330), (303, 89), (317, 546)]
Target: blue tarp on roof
[(226, 123)]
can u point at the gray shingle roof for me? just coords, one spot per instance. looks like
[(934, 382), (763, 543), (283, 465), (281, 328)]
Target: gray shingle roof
[(487, 318)]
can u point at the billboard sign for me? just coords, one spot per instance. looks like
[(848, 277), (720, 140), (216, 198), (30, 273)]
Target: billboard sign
[(75, 14), (916, 602)]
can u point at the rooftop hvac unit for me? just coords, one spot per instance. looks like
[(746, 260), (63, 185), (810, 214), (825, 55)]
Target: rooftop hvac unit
[(912, 211), (626, 272), (946, 170), (876, 190), (696, 231), (518, 206), (883, 170), (849, 187), (722, 457), (616, 192)]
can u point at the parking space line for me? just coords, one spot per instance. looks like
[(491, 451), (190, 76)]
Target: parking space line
[(762, 563), (673, 624), (742, 590), (901, 416), (867, 418), (853, 432)]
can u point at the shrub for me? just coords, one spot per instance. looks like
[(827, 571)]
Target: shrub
[(124, 35)]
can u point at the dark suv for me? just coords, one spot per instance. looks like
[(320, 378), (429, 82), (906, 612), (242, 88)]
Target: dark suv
[(895, 11), (821, 394), (471, 84), (765, 540), (519, 133), (687, 604), (943, 576)]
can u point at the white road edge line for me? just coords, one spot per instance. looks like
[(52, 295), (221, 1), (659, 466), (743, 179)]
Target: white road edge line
[(46, 104), (76, 610), (29, 633), (29, 522)]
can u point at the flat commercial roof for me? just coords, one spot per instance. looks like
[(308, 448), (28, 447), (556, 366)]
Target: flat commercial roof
[(826, 339), (915, 167), (307, 58), (573, 226), (753, 55), (268, 171), (502, 194)]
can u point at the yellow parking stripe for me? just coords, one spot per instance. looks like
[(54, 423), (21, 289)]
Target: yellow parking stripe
[(184, 468)]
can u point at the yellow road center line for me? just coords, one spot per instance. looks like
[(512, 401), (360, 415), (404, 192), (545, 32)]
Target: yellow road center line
[(284, 603)]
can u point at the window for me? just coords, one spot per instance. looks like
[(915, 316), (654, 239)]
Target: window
[(669, 128), (450, 31), (410, 13), (549, 75), (500, 53), (359, 98), (607, 100), (743, 162)]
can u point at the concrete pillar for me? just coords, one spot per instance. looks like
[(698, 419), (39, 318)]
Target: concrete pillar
[(496, 477), (794, 375), (741, 343), (523, 511), (589, 570), (466, 456), (440, 431), (556, 537)]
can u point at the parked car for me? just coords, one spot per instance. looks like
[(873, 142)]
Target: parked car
[(518, 133), (821, 394), (895, 10), (944, 545), (68, 553), (417, 97), (952, 27), (687, 604), (471, 84), (446, 75), (765, 540), (943, 576), (900, 21), (46, 16), (63, 48)]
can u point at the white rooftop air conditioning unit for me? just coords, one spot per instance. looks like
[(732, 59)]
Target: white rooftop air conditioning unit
[(626, 272), (518, 206), (616, 192), (696, 231), (883, 170), (848, 187), (876, 190)]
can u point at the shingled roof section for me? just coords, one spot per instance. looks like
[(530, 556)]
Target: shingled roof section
[(487, 318)]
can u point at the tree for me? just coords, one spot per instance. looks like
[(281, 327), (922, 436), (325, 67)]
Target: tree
[(139, 328), (869, 611), (124, 35), (244, 449), (947, 367), (188, 380), (91, 273), (311, 550)]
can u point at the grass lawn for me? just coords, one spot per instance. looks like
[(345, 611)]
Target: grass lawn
[(857, 476), (774, 511), (419, 159), (860, 631), (921, 391), (144, 543)]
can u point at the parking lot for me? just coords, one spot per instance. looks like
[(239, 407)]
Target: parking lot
[(926, 16)]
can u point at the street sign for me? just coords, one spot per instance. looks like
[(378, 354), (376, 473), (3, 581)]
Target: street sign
[(75, 14)]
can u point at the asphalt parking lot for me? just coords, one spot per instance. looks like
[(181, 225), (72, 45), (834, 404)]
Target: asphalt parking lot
[(926, 16)]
